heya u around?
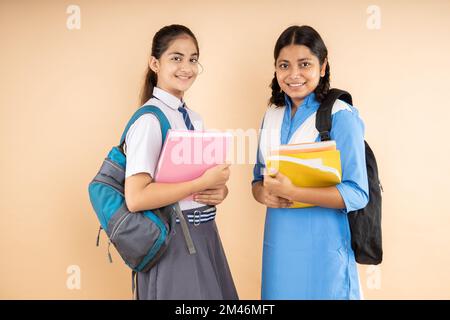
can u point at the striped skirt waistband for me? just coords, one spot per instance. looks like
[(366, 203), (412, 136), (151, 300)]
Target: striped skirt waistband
[(199, 215)]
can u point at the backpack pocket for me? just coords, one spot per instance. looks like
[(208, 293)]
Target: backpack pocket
[(106, 191), (140, 238), (106, 199)]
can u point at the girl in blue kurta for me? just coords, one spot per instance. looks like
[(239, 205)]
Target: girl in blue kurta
[(307, 251)]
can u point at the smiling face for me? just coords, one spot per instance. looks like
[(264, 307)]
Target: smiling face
[(298, 72), (177, 67)]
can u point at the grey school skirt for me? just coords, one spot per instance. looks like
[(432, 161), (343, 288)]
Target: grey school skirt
[(181, 276)]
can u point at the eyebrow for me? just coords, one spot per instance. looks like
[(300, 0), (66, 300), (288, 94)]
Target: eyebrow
[(302, 59), (181, 54)]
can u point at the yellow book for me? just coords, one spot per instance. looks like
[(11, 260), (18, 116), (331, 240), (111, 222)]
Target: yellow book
[(309, 169), (305, 147)]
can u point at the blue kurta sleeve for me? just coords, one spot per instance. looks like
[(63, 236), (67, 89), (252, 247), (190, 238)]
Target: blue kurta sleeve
[(348, 132), (258, 169), (259, 165)]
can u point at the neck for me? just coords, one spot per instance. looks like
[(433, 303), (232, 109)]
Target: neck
[(297, 102), (293, 111)]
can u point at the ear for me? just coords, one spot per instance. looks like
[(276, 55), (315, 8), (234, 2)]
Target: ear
[(153, 63), (324, 67)]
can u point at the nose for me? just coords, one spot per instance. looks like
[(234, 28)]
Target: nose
[(187, 67), (295, 72)]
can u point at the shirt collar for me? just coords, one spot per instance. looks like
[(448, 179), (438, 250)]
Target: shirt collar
[(167, 98), (309, 101)]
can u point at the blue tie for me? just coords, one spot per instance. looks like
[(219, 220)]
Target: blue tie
[(186, 118)]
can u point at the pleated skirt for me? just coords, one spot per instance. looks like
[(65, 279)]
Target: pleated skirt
[(181, 276)]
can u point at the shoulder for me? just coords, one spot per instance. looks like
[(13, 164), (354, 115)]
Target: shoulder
[(150, 119), (340, 105), (157, 103), (273, 112), (272, 109), (147, 124), (346, 117), (146, 120), (342, 109)]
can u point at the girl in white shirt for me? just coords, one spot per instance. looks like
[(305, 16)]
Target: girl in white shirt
[(173, 67)]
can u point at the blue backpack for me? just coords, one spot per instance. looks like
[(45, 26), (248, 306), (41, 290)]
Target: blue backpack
[(142, 237)]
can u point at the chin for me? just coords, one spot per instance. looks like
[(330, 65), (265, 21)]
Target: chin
[(300, 94), (183, 88), (297, 95)]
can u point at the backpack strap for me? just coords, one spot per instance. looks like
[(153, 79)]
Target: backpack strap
[(134, 285), (323, 115), (163, 121), (184, 227)]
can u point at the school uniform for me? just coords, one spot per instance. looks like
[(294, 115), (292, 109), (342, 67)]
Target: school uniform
[(179, 275), (307, 252)]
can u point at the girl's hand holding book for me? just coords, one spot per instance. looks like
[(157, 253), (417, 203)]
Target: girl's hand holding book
[(215, 177), (212, 197), (278, 185)]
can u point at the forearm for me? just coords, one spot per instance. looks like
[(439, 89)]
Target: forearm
[(258, 191), (328, 197), (157, 195)]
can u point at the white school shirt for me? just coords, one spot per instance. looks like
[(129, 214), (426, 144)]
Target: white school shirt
[(143, 141)]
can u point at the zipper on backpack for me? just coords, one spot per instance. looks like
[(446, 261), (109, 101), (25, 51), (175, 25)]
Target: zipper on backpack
[(109, 185), (109, 253), (114, 165), (98, 235), (113, 233), (118, 224)]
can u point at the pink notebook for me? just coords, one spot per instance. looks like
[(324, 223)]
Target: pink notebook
[(186, 154)]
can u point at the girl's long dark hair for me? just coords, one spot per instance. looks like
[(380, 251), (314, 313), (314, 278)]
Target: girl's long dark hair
[(307, 36), (161, 42)]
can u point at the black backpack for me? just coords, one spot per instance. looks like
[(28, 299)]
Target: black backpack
[(365, 223)]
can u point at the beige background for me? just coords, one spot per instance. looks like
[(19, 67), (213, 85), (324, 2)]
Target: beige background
[(67, 94)]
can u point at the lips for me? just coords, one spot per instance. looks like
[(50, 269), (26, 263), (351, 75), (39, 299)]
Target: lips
[(296, 85), (183, 77)]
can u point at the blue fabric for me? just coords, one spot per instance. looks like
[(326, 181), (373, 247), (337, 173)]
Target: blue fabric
[(118, 157), (105, 200), (186, 118), (258, 170), (307, 252)]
